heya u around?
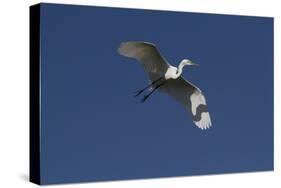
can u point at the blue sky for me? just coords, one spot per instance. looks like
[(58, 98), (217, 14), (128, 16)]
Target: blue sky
[(94, 130)]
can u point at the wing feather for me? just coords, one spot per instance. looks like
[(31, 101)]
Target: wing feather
[(148, 55), (192, 98)]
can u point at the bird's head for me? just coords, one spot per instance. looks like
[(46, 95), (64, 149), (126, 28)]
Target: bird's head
[(188, 62)]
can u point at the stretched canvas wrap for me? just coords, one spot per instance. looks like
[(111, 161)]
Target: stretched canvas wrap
[(118, 94)]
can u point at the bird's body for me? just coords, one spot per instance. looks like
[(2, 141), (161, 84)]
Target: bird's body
[(171, 73), (174, 72), (167, 78)]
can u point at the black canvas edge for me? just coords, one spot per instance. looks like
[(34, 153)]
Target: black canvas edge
[(34, 95)]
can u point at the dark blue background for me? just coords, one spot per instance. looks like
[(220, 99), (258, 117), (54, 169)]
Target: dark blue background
[(93, 129)]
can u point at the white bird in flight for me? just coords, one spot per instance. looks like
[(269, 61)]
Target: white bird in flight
[(167, 78)]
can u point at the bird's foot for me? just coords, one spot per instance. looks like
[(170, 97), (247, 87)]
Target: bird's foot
[(144, 98), (137, 93)]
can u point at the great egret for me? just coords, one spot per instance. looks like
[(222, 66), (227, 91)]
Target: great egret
[(167, 78)]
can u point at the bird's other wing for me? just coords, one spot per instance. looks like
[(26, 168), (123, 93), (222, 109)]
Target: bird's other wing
[(148, 55), (191, 97)]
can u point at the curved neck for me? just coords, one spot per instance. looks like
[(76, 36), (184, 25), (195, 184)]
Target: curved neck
[(179, 71)]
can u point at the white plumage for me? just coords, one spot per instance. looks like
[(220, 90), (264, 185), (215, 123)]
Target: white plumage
[(167, 78), (197, 98)]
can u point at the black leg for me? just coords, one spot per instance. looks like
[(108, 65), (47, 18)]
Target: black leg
[(154, 89), (137, 93)]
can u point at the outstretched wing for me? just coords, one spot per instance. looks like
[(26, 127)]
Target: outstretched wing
[(148, 55), (191, 97)]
